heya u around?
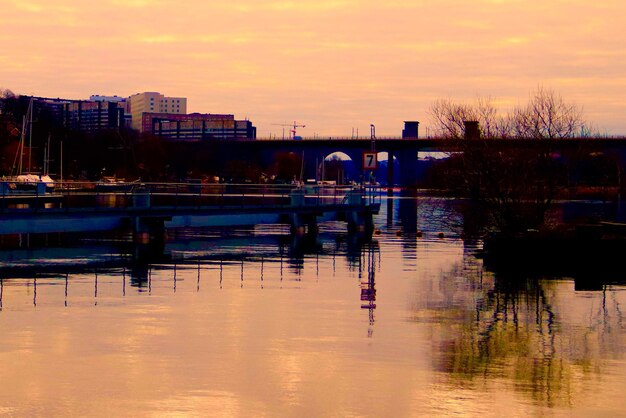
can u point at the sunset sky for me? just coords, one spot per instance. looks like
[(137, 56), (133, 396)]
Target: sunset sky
[(333, 65)]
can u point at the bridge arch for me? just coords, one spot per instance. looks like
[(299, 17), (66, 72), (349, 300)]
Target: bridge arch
[(337, 166), (332, 164)]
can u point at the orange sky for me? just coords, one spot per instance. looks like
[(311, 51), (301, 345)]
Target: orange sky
[(333, 65)]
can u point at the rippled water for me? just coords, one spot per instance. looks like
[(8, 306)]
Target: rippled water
[(251, 322)]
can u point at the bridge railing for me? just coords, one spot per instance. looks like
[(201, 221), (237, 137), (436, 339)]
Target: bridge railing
[(124, 195)]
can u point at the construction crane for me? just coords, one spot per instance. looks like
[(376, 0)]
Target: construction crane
[(293, 127)]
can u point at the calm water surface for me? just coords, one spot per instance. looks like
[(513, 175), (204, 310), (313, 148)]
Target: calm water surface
[(250, 322)]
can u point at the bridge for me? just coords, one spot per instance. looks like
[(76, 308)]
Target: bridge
[(404, 151), (148, 209)]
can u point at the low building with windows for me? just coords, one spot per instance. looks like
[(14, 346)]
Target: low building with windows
[(197, 126)]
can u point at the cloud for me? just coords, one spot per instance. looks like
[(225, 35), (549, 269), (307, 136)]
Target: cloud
[(383, 57), (159, 39), (136, 3), (28, 6), (310, 6)]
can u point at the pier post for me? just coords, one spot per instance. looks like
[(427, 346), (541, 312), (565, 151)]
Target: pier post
[(141, 197), (359, 219), (301, 224), (148, 229)]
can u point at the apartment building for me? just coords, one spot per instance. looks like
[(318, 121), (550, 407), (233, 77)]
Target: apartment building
[(153, 102), (95, 115)]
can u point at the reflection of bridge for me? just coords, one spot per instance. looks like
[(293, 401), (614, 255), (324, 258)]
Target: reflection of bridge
[(148, 209)]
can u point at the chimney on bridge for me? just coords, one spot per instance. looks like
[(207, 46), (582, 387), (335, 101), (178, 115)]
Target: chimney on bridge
[(472, 131), (410, 129)]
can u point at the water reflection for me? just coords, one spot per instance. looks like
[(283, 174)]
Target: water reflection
[(418, 320), (535, 335), (117, 260), (368, 287)]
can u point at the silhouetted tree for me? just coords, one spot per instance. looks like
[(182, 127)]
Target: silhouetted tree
[(545, 116), (449, 118)]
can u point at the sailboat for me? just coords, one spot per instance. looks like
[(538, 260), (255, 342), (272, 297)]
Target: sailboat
[(18, 180)]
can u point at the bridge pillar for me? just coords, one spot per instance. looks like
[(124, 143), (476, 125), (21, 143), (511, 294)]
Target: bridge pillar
[(390, 174), (408, 168)]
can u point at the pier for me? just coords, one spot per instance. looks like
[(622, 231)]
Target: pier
[(148, 209)]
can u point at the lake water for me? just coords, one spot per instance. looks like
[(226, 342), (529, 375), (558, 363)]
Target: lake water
[(250, 322)]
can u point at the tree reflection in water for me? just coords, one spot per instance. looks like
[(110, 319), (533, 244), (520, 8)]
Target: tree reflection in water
[(537, 336)]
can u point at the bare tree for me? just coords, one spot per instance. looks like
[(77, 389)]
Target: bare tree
[(6, 94), (449, 118), (547, 116)]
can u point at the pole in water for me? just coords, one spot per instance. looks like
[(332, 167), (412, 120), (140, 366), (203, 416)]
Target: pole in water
[(198, 283), (242, 272), (221, 271), (174, 278), (261, 272)]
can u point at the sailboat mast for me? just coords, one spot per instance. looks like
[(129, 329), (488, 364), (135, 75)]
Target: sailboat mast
[(30, 133), (46, 155), (20, 148), (61, 164)]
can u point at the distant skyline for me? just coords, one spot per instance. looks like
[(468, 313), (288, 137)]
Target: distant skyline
[(333, 65)]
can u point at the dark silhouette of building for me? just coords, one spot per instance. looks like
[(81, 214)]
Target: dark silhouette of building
[(410, 129)]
